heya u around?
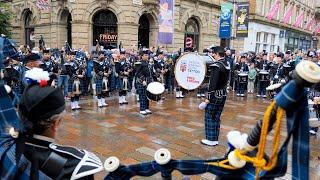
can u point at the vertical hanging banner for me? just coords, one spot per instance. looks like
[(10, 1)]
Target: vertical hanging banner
[(273, 10), (299, 20), (242, 20), (287, 15), (165, 35), (310, 23), (225, 20)]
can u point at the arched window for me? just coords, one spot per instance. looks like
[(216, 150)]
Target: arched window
[(192, 34), (29, 29), (105, 29)]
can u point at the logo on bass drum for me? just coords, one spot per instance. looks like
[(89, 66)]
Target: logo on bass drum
[(183, 67)]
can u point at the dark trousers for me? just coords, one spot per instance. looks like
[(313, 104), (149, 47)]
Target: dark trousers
[(241, 88), (212, 117), (144, 102), (262, 87), (169, 83)]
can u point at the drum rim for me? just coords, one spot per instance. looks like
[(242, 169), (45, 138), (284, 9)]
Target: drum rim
[(175, 66)]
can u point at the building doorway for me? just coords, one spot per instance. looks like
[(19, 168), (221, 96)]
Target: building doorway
[(191, 36), (29, 30), (105, 29), (144, 31)]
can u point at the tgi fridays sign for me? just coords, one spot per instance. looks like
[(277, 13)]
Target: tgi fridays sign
[(108, 37)]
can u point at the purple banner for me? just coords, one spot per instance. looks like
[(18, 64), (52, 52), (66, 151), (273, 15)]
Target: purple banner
[(165, 35)]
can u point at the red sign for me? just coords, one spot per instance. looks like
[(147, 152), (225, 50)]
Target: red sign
[(189, 42)]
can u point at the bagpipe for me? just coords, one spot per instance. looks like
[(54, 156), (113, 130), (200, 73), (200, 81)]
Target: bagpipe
[(246, 157)]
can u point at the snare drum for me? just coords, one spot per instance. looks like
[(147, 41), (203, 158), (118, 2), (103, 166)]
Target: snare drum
[(243, 78), (264, 76), (155, 91), (192, 70)]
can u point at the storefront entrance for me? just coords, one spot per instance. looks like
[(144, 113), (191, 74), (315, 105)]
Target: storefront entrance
[(105, 29)]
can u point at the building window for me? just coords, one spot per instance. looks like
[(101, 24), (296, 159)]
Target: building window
[(192, 33), (265, 38), (272, 46), (105, 29), (257, 47)]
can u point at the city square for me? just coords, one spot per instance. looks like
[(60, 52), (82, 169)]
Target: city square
[(160, 89)]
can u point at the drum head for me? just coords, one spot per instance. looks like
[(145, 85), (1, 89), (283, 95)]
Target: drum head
[(155, 88), (190, 71), (243, 74)]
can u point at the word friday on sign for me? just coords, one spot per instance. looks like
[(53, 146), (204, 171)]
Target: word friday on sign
[(109, 37)]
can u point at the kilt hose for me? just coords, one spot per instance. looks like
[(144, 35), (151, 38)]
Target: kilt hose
[(212, 118), (143, 100)]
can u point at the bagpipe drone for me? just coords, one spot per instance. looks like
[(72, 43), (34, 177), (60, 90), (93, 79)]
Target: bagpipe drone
[(246, 157)]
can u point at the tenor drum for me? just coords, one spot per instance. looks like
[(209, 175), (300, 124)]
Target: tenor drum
[(191, 70), (155, 91), (264, 76), (243, 78)]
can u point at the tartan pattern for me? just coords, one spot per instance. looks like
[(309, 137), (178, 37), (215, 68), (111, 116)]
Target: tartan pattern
[(98, 82), (144, 102), (212, 118), (70, 85)]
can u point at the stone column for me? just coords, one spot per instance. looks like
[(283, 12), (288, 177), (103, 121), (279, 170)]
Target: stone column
[(81, 34), (128, 34)]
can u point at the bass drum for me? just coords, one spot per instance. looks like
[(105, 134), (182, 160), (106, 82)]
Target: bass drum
[(155, 91), (191, 70)]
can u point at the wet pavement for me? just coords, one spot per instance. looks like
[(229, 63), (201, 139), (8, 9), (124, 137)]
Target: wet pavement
[(176, 124)]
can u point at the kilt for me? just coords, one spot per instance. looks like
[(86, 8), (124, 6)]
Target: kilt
[(142, 91), (70, 85), (98, 82), (212, 118), (262, 87)]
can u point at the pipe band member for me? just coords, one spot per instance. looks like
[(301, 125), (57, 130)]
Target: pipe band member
[(242, 67), (41, 111), (124, 69), (263, 66), (143, 78), (217, 94), (101, 69), (72, 72)]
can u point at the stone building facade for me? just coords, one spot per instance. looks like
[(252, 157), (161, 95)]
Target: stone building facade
[(81, 22)]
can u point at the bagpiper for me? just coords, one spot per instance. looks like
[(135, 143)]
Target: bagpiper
[(28, 143), (102, 70), (123, 68), (74, 85)]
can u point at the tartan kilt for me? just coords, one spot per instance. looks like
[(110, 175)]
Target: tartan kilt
[(98, 82), (70, 85), (143, 100), (212, 118)]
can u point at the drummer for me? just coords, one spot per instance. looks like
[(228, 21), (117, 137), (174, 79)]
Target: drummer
[(144, 77), (217, 95), (242, 68), (264, 78)]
